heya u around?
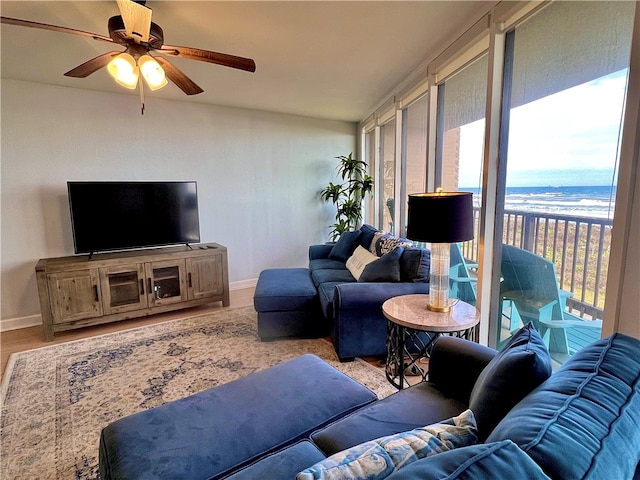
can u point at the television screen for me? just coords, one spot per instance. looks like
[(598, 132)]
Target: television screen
[(123, 215)]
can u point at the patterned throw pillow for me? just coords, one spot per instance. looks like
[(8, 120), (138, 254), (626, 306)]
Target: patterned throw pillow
[(385, 243), (379, 458), (374, 242)]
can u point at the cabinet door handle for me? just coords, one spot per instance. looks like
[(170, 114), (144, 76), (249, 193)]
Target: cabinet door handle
[(149, 285), (95, 293), (189, 276), (142, 286)]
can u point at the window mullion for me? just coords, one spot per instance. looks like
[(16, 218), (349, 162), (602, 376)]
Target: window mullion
[(489, 251)]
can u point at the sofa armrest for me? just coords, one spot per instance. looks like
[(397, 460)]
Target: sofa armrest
[(455, 364), (320, 251), (359, 326), (371, 295)]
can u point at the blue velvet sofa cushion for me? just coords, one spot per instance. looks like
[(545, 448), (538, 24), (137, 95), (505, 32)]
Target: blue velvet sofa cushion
[(320, 251), (501, 460), (422, 404), (414, 265), (331, 275), (326, 263), (229, 426), (583, 422), (522, 365), (285, 289), (284, 464), (385, 269), (345, 245)]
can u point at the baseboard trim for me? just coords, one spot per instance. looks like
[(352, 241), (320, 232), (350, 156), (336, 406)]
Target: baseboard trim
[(20, 322), (242, 284), (7, 324)]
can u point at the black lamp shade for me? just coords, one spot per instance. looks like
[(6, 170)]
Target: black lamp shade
[(442, 217)]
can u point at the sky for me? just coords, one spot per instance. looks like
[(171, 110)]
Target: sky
[(568, 138)]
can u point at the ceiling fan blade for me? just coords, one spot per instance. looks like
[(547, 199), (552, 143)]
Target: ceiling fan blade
[(183, 82), (224, 59), (93, 65), (137, 19), (54, 28)]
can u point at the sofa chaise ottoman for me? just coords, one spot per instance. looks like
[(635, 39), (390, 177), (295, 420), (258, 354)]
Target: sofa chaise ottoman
[(287, 304), (213, 432)]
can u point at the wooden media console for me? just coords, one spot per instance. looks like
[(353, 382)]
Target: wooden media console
[(81, 290)]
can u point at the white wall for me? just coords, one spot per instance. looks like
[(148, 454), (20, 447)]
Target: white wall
[(258, 175)]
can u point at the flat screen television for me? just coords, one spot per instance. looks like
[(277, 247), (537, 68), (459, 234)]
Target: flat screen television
[(125, 215)]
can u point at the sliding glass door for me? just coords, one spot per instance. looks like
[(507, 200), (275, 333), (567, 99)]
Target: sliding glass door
[(564, 87), (414, 152), (387, 176), (459, 158)]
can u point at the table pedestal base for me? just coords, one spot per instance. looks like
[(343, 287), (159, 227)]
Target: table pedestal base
[(406, 348)]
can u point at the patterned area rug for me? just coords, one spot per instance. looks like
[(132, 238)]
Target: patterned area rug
[(55, 400)]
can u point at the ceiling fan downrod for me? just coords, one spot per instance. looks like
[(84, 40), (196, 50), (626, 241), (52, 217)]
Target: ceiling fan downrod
[(141, 98)]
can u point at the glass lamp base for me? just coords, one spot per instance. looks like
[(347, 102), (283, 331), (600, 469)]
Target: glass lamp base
[(439, 278)]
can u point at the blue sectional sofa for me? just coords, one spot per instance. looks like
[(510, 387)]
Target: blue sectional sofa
[(482, 414), (326, 298)]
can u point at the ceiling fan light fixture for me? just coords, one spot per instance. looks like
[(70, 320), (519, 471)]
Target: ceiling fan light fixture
[(152, 72), (124, 70)]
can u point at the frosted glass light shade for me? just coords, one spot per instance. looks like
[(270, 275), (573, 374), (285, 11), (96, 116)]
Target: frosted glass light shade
[(152, 72), (124, 70)]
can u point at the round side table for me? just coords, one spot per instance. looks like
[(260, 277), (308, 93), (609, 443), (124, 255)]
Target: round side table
[(412, 329)]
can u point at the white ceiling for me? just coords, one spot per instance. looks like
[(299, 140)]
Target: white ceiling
[(324, 59)]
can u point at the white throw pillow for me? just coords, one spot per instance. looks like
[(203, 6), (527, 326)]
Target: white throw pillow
[(361, 258)]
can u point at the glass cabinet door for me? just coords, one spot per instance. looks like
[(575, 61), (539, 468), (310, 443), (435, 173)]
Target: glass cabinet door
[(123, 288), (166, 282)]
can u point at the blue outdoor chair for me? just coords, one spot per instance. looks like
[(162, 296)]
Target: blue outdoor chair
[(462, 284), (530, 283), (391, 205)]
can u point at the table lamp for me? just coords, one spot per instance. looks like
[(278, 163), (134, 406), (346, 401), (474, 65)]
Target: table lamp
[(440, 218)]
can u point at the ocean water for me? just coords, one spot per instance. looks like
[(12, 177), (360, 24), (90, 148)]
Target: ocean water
[(584, 201)]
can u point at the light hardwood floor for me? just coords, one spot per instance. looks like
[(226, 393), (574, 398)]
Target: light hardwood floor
[(33, 337)]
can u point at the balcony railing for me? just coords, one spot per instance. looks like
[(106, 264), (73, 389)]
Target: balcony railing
[(579, 247)]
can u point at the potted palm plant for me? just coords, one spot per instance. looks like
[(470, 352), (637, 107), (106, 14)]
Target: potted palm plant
[(348, 195)]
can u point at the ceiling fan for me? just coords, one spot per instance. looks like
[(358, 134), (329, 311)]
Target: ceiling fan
[(134, 29)]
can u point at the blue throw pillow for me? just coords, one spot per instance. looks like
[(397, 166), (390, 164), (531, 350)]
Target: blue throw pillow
[(414, 265), (345, 246), (522, 365), (385, 269), (500, 460), (377, 459), (368, 233)]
